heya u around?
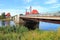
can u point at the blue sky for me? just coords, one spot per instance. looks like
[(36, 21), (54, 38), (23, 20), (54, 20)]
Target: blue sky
[(19, 6)]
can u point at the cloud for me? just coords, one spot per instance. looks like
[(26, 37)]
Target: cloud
[(51, 1), (56, 6), (39, 8), (27, 1), (12, 11)]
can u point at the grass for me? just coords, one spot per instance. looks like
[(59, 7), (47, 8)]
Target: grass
[(22, 33)]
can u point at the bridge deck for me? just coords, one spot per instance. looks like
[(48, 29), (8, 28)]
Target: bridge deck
[(42, 17)]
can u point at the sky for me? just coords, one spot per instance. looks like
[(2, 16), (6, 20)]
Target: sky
[(16, 7)]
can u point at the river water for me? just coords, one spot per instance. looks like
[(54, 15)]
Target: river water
[(5, 23), (48, 26), (42, 25)]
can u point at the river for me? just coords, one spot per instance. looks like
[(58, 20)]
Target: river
[(48, 26), (5, 23), (42, 25)]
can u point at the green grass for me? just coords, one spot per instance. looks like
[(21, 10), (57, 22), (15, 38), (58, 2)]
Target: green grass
[(22, 33)]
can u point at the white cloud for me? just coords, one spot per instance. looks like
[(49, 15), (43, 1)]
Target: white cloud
[(39, 8), (12, 11), (56, 6), (27, 1), (51, 1)]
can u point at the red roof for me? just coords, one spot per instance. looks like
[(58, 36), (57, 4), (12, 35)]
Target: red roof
[(27, 13), (34, 12), (8, 14)]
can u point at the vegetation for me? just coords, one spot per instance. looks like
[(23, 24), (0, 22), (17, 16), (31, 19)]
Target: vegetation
[(22, 33), (3, 15)]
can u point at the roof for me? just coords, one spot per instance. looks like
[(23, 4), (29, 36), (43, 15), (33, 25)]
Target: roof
[(8, 14), (34, 12), (27, 13)]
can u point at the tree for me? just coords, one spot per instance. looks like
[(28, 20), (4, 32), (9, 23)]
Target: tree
[(3, 15), (0, 17), (21, 14)]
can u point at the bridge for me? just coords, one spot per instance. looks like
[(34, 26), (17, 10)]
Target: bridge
[(32, 21)]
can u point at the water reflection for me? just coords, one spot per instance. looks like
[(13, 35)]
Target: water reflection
[(7, 23), (0, 23), (12, 23), (3, 23), (48, 26)]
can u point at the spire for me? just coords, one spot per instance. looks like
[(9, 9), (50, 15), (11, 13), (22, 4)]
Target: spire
[(30, 9)]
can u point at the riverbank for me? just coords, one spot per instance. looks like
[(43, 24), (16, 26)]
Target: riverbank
[(22, 33), (7, 19)]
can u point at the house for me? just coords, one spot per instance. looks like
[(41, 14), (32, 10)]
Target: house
[(8, 15)]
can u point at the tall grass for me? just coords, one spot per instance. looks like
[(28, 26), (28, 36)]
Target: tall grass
[(22, 33)]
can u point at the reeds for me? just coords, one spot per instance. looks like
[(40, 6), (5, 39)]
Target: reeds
[(22, 33)]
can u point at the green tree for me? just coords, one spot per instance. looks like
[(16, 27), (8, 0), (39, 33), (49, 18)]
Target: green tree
[(3, 15), (21, 14), (0, 17)]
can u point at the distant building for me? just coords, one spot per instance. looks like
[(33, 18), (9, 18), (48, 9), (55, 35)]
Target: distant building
[(27, 13), (8, 15), (34, 11)]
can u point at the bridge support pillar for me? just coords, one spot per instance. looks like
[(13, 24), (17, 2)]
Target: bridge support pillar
[(31, 25)]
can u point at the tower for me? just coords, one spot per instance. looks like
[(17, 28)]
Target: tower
[(27, 13), (30, 9)]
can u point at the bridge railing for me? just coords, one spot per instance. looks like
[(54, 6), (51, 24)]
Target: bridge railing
[(38, 15)]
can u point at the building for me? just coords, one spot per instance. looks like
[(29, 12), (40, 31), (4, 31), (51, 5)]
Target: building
[(8, 15)]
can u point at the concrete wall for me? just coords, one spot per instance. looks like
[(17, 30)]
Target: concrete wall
[(16, 18)]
